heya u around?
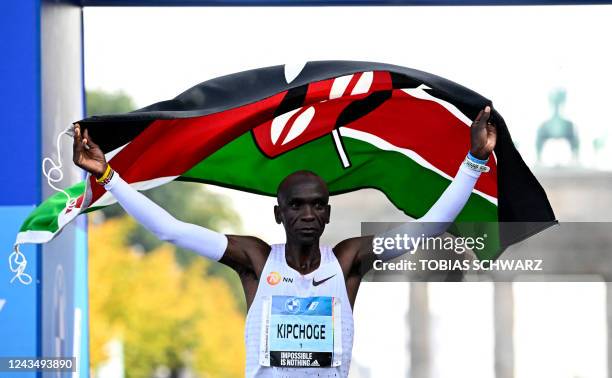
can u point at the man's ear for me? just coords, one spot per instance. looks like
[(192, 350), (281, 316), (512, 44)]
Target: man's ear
[(328, 213), (277, 214)]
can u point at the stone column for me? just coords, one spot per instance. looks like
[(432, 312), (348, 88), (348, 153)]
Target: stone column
[(503, 319), (418, 322)]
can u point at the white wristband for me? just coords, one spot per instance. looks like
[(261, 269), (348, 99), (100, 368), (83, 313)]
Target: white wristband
[(475, 166)]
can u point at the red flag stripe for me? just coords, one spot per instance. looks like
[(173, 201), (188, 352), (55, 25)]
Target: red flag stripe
[(427, 128), (171, 147)]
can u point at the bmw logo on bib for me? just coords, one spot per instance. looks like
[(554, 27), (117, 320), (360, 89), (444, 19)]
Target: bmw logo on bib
[(292, 305)]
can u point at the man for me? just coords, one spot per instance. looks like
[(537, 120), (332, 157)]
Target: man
[(299, 295)]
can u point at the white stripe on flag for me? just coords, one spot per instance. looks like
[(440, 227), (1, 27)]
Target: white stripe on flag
[(339, 86), (420, 93), (384, 145), (340, 149), (363, 84), (34, 237), (114, 152)]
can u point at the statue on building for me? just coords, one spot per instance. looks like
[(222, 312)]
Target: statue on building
[(557, 127)]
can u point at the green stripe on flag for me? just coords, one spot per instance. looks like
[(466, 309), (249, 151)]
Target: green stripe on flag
[(45, 216), (241, 165)]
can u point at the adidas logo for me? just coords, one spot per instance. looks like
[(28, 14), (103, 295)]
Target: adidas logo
[(315, 363)]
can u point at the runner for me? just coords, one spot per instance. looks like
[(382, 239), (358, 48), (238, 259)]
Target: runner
[(299, 294)]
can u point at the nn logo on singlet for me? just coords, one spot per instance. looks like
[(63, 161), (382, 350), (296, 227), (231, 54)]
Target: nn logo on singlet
[(274, 278)]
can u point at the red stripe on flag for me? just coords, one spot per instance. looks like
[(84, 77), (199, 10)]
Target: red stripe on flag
[(427, 128), (171, 147), (318, 91), (382, 81)]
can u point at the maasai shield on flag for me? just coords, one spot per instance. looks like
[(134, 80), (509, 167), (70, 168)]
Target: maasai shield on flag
[(356, 124)]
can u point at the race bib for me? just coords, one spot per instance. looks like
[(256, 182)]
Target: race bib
[(301, 332)]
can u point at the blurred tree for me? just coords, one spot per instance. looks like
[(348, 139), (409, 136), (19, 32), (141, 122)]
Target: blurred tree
[(189, 202), (165, 314), (102, 102)]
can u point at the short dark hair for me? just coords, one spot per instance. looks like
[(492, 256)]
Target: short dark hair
[(292, 178)]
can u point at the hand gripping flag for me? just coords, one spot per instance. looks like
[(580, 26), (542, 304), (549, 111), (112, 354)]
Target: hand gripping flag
[(356, 124)]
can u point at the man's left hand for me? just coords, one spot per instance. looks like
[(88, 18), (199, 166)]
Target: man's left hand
[(483, 135)]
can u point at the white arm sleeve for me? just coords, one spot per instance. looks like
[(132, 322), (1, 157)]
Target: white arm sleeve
[(451, 202), (205, 242), (440, 215)]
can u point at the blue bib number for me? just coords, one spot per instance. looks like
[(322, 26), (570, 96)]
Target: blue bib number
[(301, 331)]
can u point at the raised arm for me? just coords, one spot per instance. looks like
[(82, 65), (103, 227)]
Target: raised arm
[(231, 250), (166, 227), (360, 250)]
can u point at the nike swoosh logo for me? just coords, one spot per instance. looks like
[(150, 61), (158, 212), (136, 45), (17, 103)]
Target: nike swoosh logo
[(317, 283)]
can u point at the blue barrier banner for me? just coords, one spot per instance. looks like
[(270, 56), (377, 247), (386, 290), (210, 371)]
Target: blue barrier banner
[(20, 103), (18, 302)]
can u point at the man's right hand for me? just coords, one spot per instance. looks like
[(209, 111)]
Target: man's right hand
[(86, 154)]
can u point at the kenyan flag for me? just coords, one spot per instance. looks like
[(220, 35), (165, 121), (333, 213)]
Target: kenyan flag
[(356, 124)]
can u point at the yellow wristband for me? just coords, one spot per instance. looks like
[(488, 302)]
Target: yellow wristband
[(105, 175)]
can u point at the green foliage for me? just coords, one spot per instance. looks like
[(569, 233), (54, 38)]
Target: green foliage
[(101, 102)]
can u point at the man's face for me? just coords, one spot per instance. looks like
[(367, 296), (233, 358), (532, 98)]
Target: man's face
[(303, 209)]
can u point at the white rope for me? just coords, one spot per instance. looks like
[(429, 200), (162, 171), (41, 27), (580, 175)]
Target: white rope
[(18, 265), (57, 167), (17, 260)]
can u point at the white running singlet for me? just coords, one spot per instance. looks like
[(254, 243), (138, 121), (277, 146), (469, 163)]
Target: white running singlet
[(299, 320)]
